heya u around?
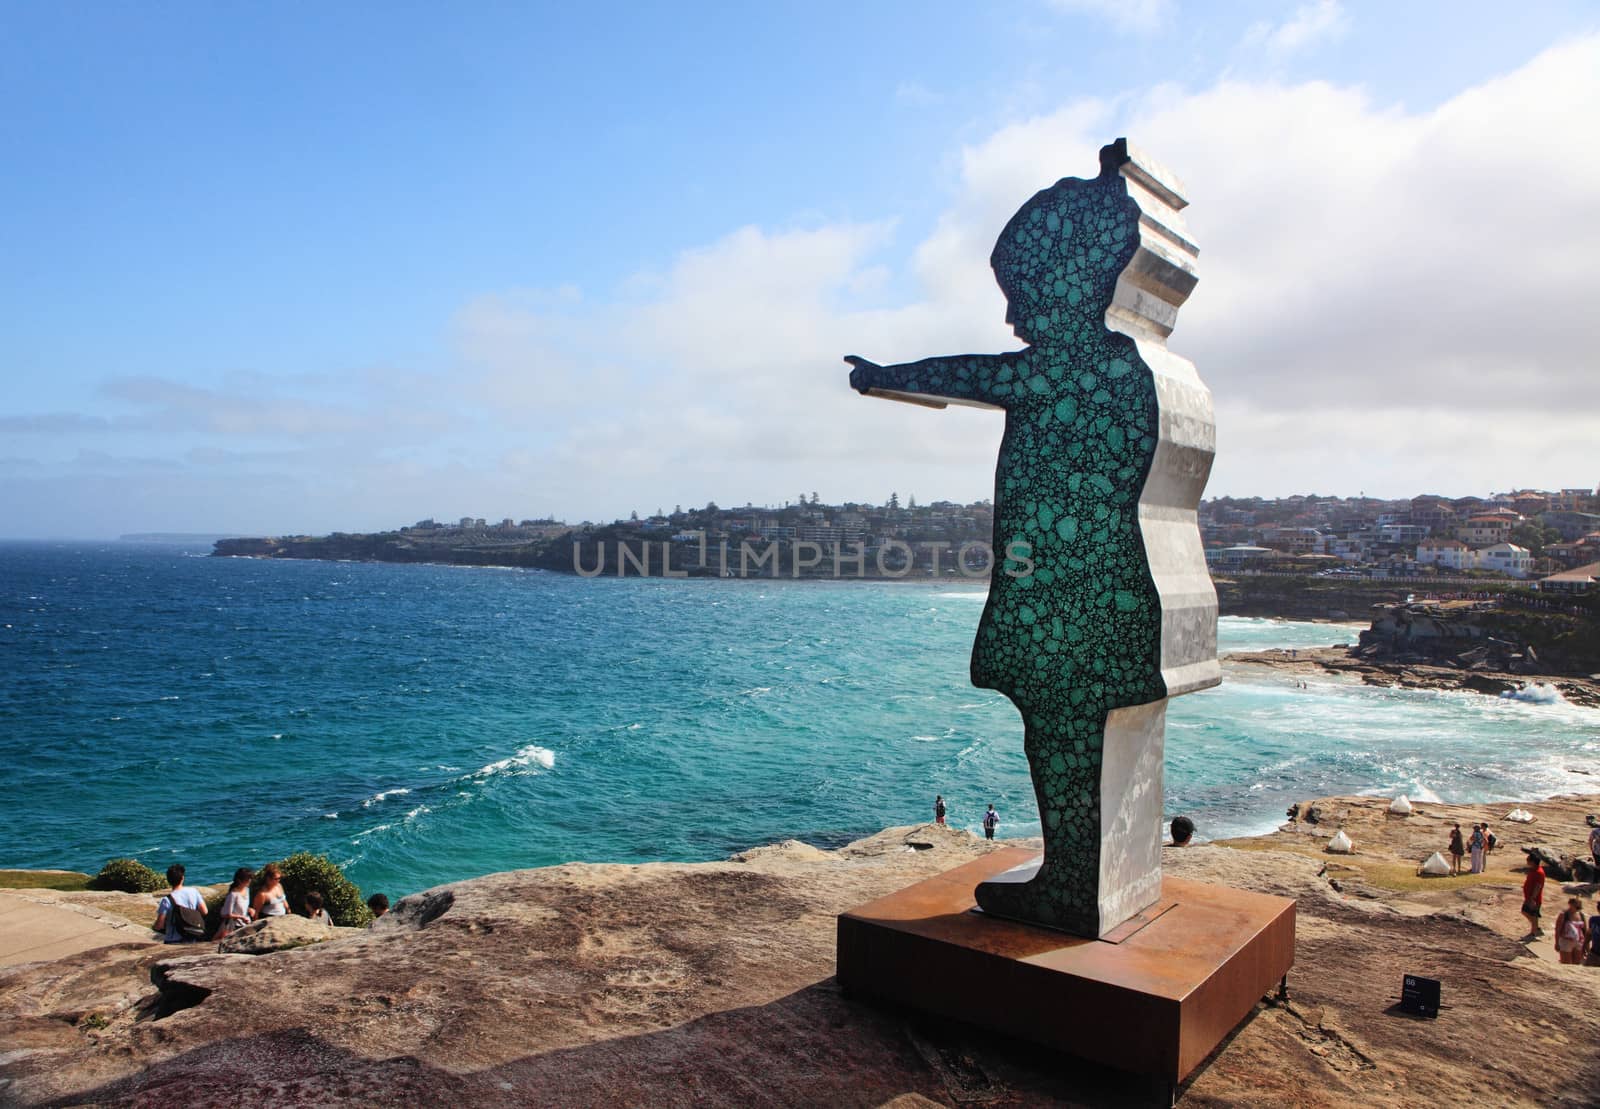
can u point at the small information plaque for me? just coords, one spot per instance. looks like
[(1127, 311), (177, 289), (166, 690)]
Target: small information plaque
[(1420, 996)]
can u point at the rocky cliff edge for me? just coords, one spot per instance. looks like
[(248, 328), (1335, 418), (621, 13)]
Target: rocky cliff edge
[(711, 984)]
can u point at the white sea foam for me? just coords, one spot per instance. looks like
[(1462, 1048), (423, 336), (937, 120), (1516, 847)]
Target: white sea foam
[(528, 760), (965, 596), (378, 798), (925, 738), (1539, 693)]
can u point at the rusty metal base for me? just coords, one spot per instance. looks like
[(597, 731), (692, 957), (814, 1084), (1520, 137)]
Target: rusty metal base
[(1157, 1003)]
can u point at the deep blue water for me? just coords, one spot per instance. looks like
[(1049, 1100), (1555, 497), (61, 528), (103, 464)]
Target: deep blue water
[(423, 723)]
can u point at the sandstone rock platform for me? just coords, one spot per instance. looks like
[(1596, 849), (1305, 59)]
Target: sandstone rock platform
[(711, 984)]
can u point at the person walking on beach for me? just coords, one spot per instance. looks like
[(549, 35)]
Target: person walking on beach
[(236, 905), (1533, 894), (1456, 850), (270, 898), (938, 809), (181, 916), (1476, 846), (991, 820), (1572, 935)]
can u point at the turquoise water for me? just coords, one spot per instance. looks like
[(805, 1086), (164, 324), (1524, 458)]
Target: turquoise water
[(422, 723)]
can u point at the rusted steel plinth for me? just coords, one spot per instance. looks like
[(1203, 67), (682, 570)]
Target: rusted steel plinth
[(1154, 1002)]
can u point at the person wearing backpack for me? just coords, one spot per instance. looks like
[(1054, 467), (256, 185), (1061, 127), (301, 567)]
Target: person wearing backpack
[(181, 916), (991, 820)]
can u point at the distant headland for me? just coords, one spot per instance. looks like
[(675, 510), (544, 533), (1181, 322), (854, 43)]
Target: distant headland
[(1479, 626), (1464, 543)]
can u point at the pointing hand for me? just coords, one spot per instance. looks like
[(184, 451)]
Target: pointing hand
[(860, 373)]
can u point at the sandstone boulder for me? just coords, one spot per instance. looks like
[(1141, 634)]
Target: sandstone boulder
[(1556, 866), (278, 933)]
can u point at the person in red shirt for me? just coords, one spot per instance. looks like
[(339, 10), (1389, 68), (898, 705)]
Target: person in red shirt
[(1533, 894)]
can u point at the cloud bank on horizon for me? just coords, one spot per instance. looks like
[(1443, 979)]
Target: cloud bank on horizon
[(1391, 301)]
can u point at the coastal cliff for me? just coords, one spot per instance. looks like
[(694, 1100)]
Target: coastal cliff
[(1462, 646), (711, 984)]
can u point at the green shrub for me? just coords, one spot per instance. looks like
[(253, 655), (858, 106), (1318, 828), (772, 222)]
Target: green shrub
[(129, 876), (304, 872)]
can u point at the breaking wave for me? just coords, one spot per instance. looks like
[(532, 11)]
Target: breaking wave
[(528, 760)]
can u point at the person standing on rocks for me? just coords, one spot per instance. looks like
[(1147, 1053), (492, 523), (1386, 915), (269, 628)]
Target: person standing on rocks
[(1476, 846), (1456, 850), (1533, 894), (991, 820), (938, 809), (1572, 935), (1594, 840)]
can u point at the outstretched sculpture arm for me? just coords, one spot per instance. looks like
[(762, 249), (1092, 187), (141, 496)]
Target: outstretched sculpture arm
[(982, 380)]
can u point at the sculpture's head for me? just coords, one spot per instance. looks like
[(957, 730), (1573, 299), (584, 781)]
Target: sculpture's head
[(1058, 258)]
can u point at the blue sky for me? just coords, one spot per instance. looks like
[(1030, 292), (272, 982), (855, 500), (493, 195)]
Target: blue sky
[(273, 272)]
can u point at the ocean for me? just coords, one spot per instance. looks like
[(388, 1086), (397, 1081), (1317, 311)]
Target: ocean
[(420, 724)]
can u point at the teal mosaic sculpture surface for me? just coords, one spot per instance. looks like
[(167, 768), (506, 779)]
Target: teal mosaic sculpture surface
[(1073, 627)]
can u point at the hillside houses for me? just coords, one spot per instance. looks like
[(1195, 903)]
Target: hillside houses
[(1526, 533)]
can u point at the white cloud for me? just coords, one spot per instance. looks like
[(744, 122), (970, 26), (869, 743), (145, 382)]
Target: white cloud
[(1137, 17), (1389, 300), (1313, 23), (916, 95)]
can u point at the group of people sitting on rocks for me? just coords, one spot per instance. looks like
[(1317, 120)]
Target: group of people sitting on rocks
[(181, 915)]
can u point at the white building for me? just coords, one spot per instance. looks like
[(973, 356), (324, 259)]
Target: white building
[(1238, 557), (1506, 558), (1447, 554), (1350, 550)]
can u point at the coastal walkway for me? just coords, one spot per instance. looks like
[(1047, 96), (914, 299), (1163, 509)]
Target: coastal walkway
[(33, 929)]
